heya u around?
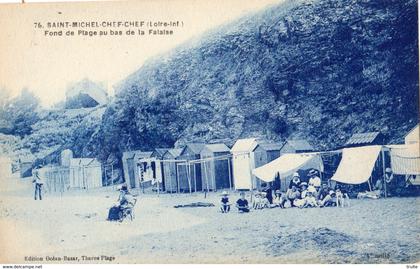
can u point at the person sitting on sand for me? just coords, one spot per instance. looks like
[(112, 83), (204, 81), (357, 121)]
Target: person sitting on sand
[(303, 189), (224, 202), (265, 203), (278, 199), (242, 203), (256, 201), (329, 199), (323, 191), (379, 187), (269, 192), (310, 199), (291, 195)]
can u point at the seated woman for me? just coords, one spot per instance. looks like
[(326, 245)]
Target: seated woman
[(124, 205)]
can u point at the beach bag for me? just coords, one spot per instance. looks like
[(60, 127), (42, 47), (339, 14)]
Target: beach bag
[(114, 213)]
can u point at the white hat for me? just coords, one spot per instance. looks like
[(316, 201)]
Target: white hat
[(296, 174), (225, 193), (388, 170)]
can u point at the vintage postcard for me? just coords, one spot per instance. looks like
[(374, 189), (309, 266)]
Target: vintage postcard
[(210, 131)]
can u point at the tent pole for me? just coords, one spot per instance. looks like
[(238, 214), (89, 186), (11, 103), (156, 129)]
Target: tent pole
[(383, 171), (230, 178), (177, 178), (170, 181), (205, 173), (370, 186), (189, 176), (195, 179), (207, 178), (250, 173)]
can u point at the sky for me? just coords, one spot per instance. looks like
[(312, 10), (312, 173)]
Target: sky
[(46, 65)]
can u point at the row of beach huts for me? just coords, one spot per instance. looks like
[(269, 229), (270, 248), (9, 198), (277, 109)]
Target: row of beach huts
[(251, 162)]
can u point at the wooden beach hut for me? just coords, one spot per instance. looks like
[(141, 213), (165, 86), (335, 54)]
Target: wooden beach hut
[(296, 146), (189, 169), (216, 167), (157, 155), (263, 154), (129, 168), (170, 169)]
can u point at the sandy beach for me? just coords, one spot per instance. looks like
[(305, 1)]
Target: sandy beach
[(72, 228)]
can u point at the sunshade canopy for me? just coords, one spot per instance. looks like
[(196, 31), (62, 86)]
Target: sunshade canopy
[(287, 164), (357, 164), (405, 159)]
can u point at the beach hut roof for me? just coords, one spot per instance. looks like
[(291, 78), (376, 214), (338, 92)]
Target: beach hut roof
[(159, 152), (174, 152), (196, 148), (130, 154), (217, 147), (144, 154), (270, 146), (362, 138), (84, 162), (244, 145), (300, 145)]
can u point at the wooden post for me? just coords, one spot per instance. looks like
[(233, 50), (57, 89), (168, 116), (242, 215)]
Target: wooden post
[(195, 178), (369, 179), (189, 176), (177, 177), (250, 172), (207, 178), (383, 172), (230, 177)]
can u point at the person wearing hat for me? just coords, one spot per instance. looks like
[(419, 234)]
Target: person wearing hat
[(224, 202), (39, 180), (242, 203), (389, 180), (295, 180), (278, 199), (303, 189), (314, 179)]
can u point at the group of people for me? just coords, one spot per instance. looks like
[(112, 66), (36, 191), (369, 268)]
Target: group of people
[(299, 194)]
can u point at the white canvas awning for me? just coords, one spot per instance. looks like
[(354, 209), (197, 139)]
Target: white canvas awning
[(287, 164), (405, 159), (357, 164)]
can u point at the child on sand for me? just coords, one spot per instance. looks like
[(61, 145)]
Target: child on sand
[(224, 202), (242, 204)]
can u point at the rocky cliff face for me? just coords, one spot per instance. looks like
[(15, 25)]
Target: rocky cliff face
[(320, 70)]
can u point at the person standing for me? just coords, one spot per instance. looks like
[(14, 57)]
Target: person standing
[(314, 179), (269, 193), (389, 181), (38, 179)]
